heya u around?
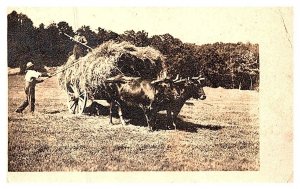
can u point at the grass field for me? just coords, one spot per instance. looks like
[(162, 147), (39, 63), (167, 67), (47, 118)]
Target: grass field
[(219, 133)]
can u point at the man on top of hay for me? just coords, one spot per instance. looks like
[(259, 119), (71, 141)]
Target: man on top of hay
[(78, 50), (31, 79)]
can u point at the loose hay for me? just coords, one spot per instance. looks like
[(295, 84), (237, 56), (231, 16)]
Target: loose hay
[(110, 59)]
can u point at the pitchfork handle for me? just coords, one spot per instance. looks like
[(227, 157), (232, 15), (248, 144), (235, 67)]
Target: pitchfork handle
[(78, 41)]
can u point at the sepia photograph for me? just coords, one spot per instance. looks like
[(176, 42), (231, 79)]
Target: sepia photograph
[(144, 90)]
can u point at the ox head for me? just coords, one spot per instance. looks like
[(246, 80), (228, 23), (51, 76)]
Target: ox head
[(197, 83), (162, 85), (193, 87)]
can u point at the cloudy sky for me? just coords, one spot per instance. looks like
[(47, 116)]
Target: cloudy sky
[(194, 25)]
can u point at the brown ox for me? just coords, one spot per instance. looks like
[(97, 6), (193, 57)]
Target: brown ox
[(154, 96)]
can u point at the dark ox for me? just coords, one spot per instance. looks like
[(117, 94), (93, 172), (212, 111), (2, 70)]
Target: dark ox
[(134, 92), (182, 90), (154, 96)]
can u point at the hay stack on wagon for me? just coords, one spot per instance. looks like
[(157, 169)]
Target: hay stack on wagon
[(108, 60)]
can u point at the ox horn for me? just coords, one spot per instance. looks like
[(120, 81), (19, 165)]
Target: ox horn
[(156, 81), (180, 80), (198, 78), (177, 77)]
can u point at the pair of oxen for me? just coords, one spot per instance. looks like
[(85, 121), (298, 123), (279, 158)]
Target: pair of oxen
[(153, 96)]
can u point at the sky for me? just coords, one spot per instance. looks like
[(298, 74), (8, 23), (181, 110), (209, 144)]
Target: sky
[(193, 25)]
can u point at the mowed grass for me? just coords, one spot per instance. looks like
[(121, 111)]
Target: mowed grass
[(219, 133)]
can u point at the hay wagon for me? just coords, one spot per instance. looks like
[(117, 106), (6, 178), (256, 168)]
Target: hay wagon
[(86, 77)]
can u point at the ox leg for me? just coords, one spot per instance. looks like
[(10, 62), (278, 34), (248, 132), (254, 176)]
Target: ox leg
[(153, 119), (171, 119), (121, 115), (110, 113), (147, 116), (148, 122)]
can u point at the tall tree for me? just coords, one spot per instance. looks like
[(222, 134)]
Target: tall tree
[(104, 35), (20, 39)]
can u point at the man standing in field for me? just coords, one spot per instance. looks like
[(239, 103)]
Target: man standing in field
[(78, 50), (31, 79)]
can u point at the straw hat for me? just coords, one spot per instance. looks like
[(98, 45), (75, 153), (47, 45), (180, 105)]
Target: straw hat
[(29, 65)]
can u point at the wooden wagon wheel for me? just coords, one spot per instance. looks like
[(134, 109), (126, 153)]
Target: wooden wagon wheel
[(76, 99)]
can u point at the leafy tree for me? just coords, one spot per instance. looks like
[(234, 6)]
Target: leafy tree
[(20, 35), (228, 65), (139, 39), (104, 35), (64, 44)]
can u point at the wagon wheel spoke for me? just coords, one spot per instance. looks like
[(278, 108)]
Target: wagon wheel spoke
[(74, 109), (82, 99), (70, 93), (71, 107), (71, 103), (75, 93), (82, 94)]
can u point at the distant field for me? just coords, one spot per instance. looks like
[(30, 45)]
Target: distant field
[(219, 133)]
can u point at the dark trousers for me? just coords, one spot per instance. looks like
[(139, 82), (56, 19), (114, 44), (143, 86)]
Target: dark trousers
[(30, 98), (78, 51)]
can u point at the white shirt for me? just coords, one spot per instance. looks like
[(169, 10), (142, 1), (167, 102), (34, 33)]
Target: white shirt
[(81, 39), (32, 74)]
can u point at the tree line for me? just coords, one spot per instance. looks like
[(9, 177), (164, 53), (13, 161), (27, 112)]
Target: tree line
[(228, 65)]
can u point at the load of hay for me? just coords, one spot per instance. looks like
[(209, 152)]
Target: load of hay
[(107, 60)]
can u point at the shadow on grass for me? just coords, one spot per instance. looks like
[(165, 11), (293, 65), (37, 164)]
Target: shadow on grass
[(96, 109), (135, 116), (183, 125), (189, 104), (53, 112)]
